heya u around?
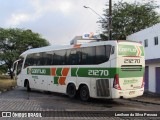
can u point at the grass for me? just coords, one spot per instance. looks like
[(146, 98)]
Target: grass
[(6, 83)]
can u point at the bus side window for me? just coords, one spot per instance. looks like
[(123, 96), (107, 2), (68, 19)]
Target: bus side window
[(48, 58), (37, 59), (79, 56), (100, 54), (30, 60), (59, 57), (88, 55), (73, 58), (26, 64)]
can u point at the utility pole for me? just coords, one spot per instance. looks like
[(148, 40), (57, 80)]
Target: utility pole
[(110, 21)]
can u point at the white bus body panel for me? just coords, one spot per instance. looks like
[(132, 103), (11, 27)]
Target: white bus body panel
[(46, 82)]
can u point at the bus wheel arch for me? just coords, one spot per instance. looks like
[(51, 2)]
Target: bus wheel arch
[(71, 90), (27, 85), (84, 92)]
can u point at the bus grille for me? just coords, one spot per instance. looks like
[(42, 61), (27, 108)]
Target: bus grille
[(131, 68), (102, 87)]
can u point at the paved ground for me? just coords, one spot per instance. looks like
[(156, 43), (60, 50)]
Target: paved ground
[(149, 97), (58, 105)]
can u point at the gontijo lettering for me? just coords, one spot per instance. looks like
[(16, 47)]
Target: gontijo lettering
[(38, 71), (127, 50), (130, 50)]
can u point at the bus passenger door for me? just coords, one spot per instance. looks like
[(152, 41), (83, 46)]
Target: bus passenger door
[(17, 68)]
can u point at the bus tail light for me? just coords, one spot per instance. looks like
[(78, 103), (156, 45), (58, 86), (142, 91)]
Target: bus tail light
[(142, 83), (116, 84)]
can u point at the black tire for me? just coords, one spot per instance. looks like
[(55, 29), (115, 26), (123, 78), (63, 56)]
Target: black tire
[(84, 93), (71, 90), (28, 86)]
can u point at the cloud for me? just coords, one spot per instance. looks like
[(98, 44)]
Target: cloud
[(65, 7), (17, 19), (38, 8), (56, 20), (42, 7)]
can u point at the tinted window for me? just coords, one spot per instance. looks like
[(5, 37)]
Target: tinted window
[(59, 57), (100, 54), (74, 56), (29, 60), (47, 58), (38, 59), (80, 56), (88, 55)]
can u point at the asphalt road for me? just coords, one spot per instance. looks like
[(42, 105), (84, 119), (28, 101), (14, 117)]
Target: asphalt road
[(20, 101)]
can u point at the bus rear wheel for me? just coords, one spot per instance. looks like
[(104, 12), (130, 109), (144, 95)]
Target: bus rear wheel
[(84, 93), (71, 90)]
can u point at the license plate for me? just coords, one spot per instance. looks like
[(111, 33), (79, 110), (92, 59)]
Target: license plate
[(131, 92)]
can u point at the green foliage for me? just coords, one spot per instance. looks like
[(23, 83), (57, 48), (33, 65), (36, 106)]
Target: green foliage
[(128, 18), (103, 37), (3, 69), (15, 41)]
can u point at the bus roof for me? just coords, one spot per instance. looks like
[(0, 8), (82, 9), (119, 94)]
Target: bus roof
[(61, 47)]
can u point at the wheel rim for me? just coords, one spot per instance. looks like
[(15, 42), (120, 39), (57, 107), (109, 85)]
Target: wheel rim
[(71, 91), (84, 93)]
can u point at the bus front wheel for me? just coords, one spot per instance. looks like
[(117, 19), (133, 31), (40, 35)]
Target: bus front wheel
[(28, 86), (71, 90), (84, 93)]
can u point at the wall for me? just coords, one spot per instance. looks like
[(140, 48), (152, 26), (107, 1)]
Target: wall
[(149, 33)]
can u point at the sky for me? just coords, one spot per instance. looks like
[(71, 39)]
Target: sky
[(58, 21)]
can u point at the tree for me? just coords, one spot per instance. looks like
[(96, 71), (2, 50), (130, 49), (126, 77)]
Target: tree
[(128, 18), (15, 41), (3, 69)]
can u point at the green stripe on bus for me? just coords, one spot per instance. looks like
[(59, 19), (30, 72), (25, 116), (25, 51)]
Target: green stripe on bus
[(88, 72), (142, 50), (73, 71), (59, 72), (125, 74), (129, 50), (104, 72), (56, 80), (94, 72)]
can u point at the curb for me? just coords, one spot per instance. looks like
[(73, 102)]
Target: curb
[(148, 102), (5, 90)]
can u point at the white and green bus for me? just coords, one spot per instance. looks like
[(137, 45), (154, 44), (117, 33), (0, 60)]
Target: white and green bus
[(109, 69)]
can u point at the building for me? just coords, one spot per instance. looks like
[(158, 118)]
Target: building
[(150, 39)]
